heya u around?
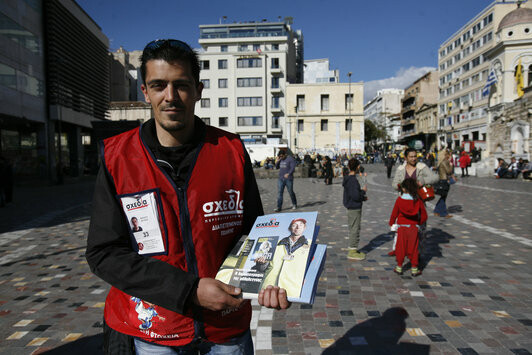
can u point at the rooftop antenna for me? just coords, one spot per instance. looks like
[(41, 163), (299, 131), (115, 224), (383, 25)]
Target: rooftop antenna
[(224, 19)]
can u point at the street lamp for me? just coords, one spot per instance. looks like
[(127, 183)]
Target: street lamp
[(349, 120), (297, 127)]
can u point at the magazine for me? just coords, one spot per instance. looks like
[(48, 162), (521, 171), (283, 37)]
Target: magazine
[(280, 250)]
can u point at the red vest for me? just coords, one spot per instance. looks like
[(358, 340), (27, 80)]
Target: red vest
[(199, 223)]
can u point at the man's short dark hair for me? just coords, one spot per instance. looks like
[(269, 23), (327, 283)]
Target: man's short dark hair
[(408, 150), (169, 50)]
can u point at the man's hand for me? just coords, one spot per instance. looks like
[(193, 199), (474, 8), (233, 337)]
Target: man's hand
[(274, 297), (216, 296), (286, 176)]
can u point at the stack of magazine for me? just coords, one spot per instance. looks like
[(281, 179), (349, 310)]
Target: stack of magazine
[(280, 250)]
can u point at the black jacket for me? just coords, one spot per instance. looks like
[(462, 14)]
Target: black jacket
[(353, 194)]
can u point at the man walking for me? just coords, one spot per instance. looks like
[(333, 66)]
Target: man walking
[(389, 162), (164, 298), (286, 165)]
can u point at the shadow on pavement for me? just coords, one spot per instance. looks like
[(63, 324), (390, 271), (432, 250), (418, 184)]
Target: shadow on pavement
[(454, 209), (92, 345), (378, 335), (310, 204), (42, 256), (377, 242), (431, 245)]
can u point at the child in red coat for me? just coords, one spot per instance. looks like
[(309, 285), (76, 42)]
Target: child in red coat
[(408, 213)]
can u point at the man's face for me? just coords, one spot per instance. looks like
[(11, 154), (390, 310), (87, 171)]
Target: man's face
[(411, 158), (172, 92), (282, 156), (135, 222), (297, 228)]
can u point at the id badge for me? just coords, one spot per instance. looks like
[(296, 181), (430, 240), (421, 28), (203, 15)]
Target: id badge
[(143, 219)]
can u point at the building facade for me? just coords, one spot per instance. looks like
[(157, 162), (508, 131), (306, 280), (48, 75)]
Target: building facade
[(327, 118), (384, 110), (317, 71), (423, 92), (510, 97), (51, 90), (245, 68), (464, 68)]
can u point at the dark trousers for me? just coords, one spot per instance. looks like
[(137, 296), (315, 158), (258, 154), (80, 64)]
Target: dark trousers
[(389, 171)]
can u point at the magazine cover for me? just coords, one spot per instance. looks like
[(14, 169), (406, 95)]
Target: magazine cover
[(276, 252)]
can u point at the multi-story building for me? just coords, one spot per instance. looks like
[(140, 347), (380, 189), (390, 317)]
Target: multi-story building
[(327, 118), (23, 116), (423, 91), (463, 110), (50, 89), (245, 68), (382, 109), (317, 71)]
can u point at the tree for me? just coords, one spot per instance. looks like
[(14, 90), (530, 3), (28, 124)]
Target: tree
[(373, 133)]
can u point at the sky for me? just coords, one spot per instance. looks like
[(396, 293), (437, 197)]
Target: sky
[(385, 44)]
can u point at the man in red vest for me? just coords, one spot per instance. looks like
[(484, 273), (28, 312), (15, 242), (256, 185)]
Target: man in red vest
[(192, 188)]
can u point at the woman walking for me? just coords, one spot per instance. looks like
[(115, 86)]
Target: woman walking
[(445, 171), (327, 170)]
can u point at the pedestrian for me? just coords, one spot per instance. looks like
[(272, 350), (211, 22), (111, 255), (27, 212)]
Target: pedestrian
[(286, 165), (164, 297), (327, 170), (354, 197), (445, 173), (389, 162), (464, 162), (413, 169), (409, 214)]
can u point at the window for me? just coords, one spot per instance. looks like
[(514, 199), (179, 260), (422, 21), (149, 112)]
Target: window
[(300, 125), (249, 63), (465, 67), (205, 103), (348, 124), (466, 36), (275, 101), (275, 63), (529, 75), (223, 48), (222, 102), (249, 101), (300, 99), (248, 82), (222, 83), (243, 48), (275, 82), (256, 47), (222, 63), (324, 125), (275, 122), (222, 121), (457, 57), (475, 62), (466, 51), (324, 102), (457, 42), (348, 101), (275, 47), (204, 65), (206, 120), (206, 83), (250, 121)]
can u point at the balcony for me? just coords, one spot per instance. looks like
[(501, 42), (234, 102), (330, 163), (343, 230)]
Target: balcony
[(276, 90), (276, 109), (276, 70)]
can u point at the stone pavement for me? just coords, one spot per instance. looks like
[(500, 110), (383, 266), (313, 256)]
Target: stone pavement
[(474, 295)]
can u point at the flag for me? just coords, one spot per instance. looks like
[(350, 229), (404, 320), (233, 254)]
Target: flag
[(492, 79), (519, 80), (259, 51)]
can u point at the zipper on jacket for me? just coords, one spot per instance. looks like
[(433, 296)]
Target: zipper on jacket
[(188, 244)]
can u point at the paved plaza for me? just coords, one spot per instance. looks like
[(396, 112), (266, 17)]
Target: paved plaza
[(474, 296)]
